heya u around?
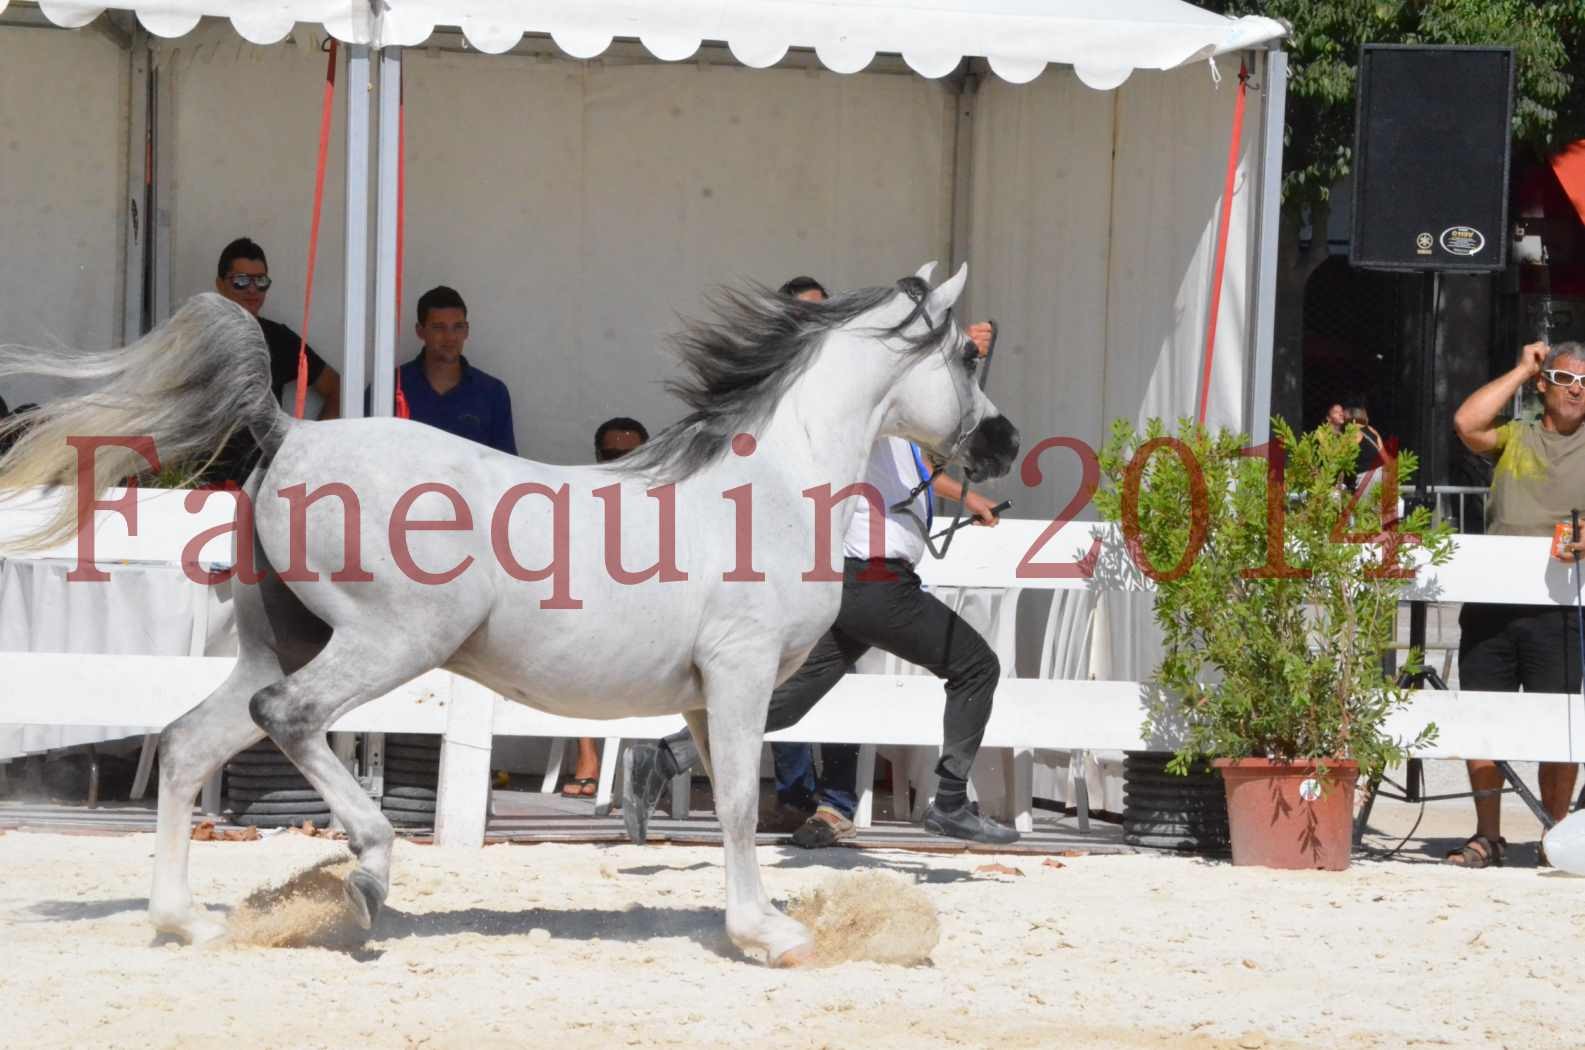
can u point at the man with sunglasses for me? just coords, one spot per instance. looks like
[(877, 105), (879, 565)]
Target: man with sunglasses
[(243, 276), (1538, 479)]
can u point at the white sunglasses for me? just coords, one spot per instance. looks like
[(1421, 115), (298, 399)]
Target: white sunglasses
[(1562, 378)]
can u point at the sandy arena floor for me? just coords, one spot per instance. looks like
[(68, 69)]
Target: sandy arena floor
[(587, 946)]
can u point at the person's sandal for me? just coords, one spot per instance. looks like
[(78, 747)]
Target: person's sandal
[(826, 828), (579, 787), (1478, 852)]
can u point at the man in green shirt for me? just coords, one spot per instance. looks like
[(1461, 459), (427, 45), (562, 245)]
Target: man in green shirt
[(1539, 478)]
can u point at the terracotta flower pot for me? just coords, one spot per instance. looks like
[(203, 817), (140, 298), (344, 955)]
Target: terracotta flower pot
[(1282, 815)]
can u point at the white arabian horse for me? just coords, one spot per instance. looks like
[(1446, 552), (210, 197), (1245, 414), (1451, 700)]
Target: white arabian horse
[(520, 589)]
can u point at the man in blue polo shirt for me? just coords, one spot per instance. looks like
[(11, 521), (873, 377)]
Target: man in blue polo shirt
[(443, 389)]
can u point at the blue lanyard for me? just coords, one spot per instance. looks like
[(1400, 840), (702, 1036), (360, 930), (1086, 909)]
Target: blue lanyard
[(924, 474)]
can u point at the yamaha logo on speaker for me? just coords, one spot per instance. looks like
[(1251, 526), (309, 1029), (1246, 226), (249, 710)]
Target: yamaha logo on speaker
[(1423, 243), (1462, 240)]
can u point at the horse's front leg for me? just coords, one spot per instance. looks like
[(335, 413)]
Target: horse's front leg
[(737, 693)]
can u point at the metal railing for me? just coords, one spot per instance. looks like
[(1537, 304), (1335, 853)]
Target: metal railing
[(1463, 505)]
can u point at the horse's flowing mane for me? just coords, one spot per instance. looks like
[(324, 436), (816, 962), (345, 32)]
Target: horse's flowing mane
[(739, 366)]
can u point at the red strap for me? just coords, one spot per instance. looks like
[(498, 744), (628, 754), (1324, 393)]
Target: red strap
[(1221, 240), (402, 411), (313, 231)]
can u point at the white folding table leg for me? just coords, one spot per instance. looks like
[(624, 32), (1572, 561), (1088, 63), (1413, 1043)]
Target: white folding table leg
[(681, 794), (209, 798), (925, 781), (1021, 788), (345, 746), (864, 813), (610, 761), (900, 759), (553, 761), (140, 781), (1078, 769)]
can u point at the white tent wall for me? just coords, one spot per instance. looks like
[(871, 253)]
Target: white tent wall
[(1092, 240), (578, 207), (1093, 233), (1174, 130), (63, 188), (240, 152)]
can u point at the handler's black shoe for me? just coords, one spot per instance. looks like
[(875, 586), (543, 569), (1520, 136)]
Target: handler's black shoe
[(965, 822), (642, 783)]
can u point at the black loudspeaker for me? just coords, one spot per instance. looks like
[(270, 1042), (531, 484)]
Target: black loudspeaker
[(1431, 146)]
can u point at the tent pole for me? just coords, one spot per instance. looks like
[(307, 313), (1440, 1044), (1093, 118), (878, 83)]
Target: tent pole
[(160, 281), (140, 159), (962, 170), (1272, 118), (355, 324), (383, 381)]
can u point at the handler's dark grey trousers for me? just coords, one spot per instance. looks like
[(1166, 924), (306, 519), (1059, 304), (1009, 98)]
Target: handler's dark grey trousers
[(884, 606)]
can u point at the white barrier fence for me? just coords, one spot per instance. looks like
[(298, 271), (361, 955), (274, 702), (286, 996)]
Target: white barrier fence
[(1070, 706)]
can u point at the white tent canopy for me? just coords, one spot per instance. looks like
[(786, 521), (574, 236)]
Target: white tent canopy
[(1103, 43)]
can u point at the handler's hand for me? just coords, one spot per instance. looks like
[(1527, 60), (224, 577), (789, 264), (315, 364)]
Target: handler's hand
[(983, 509), (1568, 552), (980, 336), (1530, 358)]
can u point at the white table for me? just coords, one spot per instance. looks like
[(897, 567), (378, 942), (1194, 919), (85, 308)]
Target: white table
[(145, 608)]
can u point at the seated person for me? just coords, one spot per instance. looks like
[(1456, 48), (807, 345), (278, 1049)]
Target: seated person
[(243, 276), (613, 439), (440, 386)]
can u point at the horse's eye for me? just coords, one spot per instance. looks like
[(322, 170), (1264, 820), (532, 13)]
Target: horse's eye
[(971, 356)]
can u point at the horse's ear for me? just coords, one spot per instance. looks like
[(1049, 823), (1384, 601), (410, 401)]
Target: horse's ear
[(942, 298), (924, 272)]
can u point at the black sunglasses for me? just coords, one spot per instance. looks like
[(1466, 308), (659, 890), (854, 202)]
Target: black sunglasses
[(241, 281)]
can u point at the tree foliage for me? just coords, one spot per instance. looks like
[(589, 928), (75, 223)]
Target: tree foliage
[(1323, 50)]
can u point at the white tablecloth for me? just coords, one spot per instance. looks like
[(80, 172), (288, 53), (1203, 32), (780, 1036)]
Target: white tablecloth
[(143, 609)]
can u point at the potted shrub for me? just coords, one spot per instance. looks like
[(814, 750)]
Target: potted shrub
[(1277, 591)]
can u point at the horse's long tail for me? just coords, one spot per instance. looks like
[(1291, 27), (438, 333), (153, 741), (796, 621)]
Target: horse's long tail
[(189, 385)]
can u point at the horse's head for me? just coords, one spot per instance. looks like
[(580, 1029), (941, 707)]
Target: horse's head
[(937, 402)]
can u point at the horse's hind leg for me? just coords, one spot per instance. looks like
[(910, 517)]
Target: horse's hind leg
[(699, 729), (737, 691), (192, 749), (298, 710)]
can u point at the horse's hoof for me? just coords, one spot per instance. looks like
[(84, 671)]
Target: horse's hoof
[(188, 929), (203, 931), (366, 895), (796, 956)]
